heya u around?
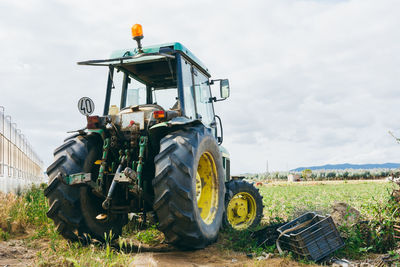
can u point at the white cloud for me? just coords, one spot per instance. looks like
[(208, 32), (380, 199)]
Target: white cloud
[(312, 82)]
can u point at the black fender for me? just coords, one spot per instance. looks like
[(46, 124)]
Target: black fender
[(158, 131)]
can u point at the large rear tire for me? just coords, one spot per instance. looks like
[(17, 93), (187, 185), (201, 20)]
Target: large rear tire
[(189, 188), (243, 205), (74, 208)]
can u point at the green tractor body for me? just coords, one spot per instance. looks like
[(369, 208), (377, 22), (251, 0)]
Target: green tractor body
[(156, 148)]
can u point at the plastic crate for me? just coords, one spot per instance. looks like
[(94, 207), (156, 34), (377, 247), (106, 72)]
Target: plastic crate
[(315, 241)]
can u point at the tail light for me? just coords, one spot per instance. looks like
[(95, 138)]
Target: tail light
[(159, 114), (93, 122)]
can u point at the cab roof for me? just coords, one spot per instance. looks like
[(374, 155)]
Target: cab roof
[(161, 48)]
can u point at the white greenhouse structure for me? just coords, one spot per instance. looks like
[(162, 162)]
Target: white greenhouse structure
[(20, 166)]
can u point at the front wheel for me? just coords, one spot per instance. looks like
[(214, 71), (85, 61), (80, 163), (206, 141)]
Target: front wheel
[(243, 205), (189, 187)]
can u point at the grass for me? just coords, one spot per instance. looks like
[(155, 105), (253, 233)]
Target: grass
[(238, 241), (26, 215), (150, 236), (288, 200), (74, 254), (19, 214)]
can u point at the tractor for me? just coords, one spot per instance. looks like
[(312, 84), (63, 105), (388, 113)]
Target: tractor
[(155, 150)]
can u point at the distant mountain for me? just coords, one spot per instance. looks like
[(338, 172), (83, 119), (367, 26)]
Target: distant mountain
[(350, 166)]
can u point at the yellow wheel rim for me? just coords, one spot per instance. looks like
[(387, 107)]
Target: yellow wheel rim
[(207, 188), (241, 211)]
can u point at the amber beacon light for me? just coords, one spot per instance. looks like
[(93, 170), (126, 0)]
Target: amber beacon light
[(137, 31), (137, 35)]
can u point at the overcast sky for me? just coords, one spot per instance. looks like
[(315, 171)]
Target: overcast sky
[(312, 82)]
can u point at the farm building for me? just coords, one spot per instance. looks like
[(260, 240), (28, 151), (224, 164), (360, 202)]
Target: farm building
[(294, 178)]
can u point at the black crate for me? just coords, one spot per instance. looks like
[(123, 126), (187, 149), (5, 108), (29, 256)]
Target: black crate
[(315, 241)]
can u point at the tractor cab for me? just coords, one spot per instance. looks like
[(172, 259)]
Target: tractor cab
[(165, 80), (160, 83)]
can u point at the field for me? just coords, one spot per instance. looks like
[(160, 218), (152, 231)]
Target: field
[(28, 237), (286, 200)]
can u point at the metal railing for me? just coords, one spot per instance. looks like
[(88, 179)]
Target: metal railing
[(20, 166)]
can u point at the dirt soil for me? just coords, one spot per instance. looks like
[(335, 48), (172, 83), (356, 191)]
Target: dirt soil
[(205, 258), (16, 253), (210, 256)]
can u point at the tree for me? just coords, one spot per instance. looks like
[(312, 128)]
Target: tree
[(331, 175), (306, 174)]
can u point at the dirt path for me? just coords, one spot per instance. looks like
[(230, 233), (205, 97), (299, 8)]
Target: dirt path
[(206, 257), (17, 253)]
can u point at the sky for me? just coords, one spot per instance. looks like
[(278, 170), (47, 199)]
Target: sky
[(312, 82)]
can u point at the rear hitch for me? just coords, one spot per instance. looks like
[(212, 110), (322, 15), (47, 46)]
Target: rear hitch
[(128, 176), (107, 202)]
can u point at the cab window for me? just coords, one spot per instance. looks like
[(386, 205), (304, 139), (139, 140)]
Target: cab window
[(188, 92), (205, 110)]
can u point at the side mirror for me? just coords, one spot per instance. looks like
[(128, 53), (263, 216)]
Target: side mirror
[(224, 88)]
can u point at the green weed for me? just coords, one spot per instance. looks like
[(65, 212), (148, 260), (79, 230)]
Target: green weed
[(4, 235), (150, 236), (242, 241)]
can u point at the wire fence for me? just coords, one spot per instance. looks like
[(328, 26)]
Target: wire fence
[(20, 166)]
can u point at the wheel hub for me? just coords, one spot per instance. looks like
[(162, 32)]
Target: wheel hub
[(241, 210), (240, 207)]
